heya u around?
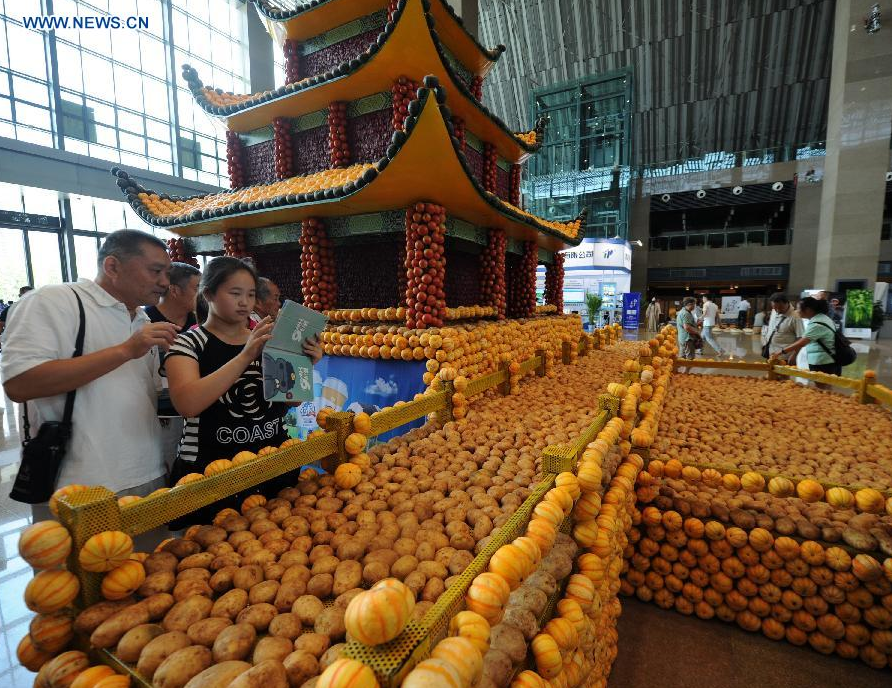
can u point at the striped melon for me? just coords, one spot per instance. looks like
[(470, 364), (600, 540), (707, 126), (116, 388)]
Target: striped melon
[(45, 544)]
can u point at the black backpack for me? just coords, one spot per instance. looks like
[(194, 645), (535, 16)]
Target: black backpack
[(843, 354)]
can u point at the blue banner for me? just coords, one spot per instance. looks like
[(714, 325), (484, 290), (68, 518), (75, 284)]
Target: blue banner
[(631, 310), (344, 383)]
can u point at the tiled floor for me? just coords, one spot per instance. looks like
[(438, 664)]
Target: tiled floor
[(649, 637)]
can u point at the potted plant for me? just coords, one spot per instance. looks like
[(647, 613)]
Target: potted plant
[(593, 303)]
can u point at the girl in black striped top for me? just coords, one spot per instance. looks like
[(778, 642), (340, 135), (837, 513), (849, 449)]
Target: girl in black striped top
[(215, 376)]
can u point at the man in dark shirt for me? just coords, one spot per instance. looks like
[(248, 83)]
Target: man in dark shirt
[(5, 313), (177, 306)]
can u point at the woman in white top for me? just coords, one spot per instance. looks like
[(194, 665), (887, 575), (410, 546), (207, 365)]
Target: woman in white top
[(784, 327)]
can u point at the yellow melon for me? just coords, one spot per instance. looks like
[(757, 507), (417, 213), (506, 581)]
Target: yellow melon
[(45, 544)]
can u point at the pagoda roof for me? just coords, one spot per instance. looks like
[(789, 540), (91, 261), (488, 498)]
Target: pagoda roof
[(314, 17), (423, 163), (408, 46)]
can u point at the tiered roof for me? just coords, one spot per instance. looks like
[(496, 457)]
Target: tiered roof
[(425, 161)]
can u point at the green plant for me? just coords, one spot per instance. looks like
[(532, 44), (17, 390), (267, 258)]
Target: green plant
[(593, 303), (859, 308), (879, 314)]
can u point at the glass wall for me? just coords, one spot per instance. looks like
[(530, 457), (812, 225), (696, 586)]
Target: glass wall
[(584, 160), (121, 96), (55, 237)]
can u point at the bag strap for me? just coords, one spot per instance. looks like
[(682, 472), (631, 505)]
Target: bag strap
[(776, 328), (821, 344), (78, 351)]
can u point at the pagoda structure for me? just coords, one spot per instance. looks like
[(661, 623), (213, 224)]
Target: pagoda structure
[(375, 185)]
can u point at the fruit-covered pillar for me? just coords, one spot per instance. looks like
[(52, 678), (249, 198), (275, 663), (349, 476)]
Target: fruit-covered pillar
[(522, 284), (337, 134), (458, 127), (234, 244), (514, 198), (235, 159), (317, 264), (291, 48), (425, 265), (403, 93), (492, 272), (477, 87), (490, 173), (554, 283), (284, 152)]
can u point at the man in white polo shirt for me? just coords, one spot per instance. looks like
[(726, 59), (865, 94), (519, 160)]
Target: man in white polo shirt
[(115, 437)]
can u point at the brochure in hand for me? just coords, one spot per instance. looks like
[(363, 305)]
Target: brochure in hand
[(287, 372)]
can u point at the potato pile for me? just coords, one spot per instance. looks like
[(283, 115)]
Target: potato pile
[(262, 592), (689, 494), (807, 592), (772, 426)]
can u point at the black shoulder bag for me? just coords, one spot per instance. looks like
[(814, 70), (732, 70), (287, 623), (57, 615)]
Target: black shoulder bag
[(42, 455), (843, 354), (766, 350)]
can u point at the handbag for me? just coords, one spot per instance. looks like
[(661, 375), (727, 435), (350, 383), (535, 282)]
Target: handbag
[(766, 350), (42, 455)]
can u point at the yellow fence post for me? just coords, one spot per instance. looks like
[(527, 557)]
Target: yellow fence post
[(540, 369), (341, 423), (444, 415), (505, 385), (85, 514), (867, 379), (610, 403)]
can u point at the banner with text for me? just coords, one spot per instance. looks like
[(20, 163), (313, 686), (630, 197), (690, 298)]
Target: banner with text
[(631, 310)]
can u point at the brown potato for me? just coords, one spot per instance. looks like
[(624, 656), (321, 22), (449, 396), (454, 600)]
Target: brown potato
[(200, 560), (286, 625), (185, 613), (134, 640), (247, 576), (91, 617), (509, 640), (208, 535), (258, 615), (272, 647), (308, 608), (194, 574), (498, 667), (234, 642), (433, 589), (344, 598), (113, 628), (300, 667), (263, 592), (292, 558), (160, 561), (218, 549), (331, 623), (181, 548), (224, 560), (314, 643), (180, 667), (188, 588), (220, 674), (287, 594), (432, 569), (158, 604), (269, 673), (331, 654), (205, 632), (160, 581), (347, 575), (326, 564), (158, 649), (403, 566), (230, 604), (221, 581), (320, 585), (375, 571)]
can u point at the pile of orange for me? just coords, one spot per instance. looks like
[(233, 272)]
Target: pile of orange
[(326, 179)]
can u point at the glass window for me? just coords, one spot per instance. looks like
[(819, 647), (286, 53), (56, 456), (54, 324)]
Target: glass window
[(82, 213), (109, 215), (10, 197), (41, 201), (46, 261), (86, 253), (15, 272)]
